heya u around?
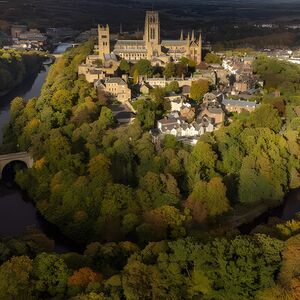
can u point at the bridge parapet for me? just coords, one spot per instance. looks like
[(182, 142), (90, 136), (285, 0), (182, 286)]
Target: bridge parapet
[(5, 159)]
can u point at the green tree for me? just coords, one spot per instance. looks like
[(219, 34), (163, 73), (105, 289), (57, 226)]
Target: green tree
[(106, 118), (266, 116), (212, 58), (144, 67), (198, 89), (62, 101), (173, 87), (50, 275), (124, 67), (136, 75), (208, 199), (200, 165), (169, 71), (15, 279)]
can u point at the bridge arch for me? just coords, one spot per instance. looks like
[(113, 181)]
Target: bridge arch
[(5, 159)]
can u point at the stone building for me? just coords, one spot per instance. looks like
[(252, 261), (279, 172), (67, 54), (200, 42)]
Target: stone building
[(239, 106), (151, 47), (94, 69), (116, 87)]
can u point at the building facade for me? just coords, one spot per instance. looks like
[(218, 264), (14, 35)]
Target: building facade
[(151, 47), (116, 87)]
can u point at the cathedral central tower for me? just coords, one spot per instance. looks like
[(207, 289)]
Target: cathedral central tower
[(152, 34)]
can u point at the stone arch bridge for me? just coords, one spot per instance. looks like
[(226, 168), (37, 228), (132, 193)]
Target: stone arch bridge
[(5, 159)]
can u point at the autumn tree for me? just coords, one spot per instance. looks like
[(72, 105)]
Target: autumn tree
[(212, 58), (15, 279), (198, 89), (50, 275), (83, 277)]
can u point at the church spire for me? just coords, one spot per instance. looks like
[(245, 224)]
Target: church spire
[(200, 37), (181, 35), (193, 35)]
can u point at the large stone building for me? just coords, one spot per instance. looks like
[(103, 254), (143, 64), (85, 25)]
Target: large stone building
[(116, 87), (151, 47)]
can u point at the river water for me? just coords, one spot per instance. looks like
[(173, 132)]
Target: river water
[(17, 212)]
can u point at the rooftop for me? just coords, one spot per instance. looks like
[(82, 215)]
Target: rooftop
[(242, 103), (117, 80), (130, 42), (173, 42)]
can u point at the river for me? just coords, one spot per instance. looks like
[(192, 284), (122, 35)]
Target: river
[(17, 212)]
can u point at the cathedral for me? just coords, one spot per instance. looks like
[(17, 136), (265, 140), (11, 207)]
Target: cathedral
[(151, 47)]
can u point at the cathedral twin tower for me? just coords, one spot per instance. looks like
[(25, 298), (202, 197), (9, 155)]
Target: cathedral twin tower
[(151, 47)]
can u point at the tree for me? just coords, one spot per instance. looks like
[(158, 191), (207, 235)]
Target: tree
[(136, 75), (216, 202), (144, 67), (181, 70), (198, 89), (266, 116), (83, 277), (146, 111), (200, 164), (16, 108), (208, 199), (103, 97), (136, 281), (50, 274), (169, 71), (173, 87), (124, 67), (62, 101), (15, 279), (106, 118), (211, 58), (91, 296), (98, 166)]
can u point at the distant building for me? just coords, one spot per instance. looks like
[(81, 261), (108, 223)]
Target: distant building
[(151, 46), (27, 39), (61, 33), (33, 36), (16, 30)]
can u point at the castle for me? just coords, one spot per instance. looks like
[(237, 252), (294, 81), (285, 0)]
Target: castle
[(151, 47)]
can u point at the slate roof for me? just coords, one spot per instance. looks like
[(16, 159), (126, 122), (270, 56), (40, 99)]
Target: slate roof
[(110, 56), (117, 80), (241, 103), (130, 43), (186, 89), (173, 43)]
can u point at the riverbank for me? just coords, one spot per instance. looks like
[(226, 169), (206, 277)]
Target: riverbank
[(16, 67), (245, 218), (17, 211), (18, 214)]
